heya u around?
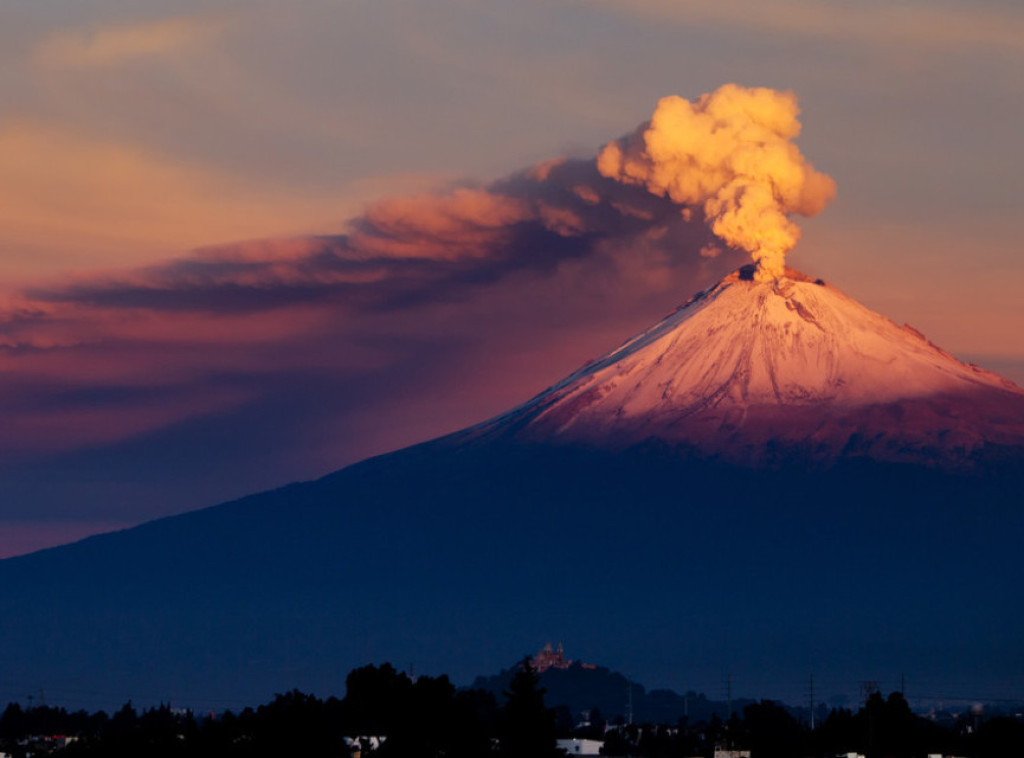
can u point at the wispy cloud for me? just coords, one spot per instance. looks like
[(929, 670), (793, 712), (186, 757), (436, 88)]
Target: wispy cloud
[(921, 25), (116, 203), (116, 44)]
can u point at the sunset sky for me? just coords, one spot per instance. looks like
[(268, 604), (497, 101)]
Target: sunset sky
[(244, 243)]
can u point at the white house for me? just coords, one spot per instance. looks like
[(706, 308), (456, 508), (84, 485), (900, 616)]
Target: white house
[(581, 747)]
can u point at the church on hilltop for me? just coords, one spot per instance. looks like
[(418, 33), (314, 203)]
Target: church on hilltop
[(553, 658), (549, 659)]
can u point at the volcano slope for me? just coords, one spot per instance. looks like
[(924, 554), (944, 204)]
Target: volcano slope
[(773, 481)]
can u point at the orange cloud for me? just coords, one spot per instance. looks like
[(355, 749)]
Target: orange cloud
[(464, 223), (95, 47), (117, 204)]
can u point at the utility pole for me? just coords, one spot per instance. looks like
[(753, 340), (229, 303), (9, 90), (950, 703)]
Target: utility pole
[(811, 693), (629, 701), (728, 696), (728, 715), (867, 689)]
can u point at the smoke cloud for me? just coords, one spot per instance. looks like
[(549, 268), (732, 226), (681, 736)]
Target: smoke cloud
[(730, 153)]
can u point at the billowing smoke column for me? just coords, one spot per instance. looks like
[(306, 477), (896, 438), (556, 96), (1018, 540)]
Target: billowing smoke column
[(729, 153)]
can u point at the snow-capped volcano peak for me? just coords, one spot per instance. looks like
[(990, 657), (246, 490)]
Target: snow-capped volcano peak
[(748, 366)]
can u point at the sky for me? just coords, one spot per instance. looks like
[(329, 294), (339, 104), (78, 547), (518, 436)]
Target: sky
[(248, 243)]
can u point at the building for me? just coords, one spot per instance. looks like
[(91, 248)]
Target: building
[(549, 658), (581, 747)]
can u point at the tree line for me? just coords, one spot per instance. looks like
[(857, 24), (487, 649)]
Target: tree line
[(429, 717)]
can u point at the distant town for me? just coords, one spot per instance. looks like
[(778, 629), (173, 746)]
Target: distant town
[(545, 705)]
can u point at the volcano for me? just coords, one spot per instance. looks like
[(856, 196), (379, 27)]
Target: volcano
[(771, 481), (761, 373)]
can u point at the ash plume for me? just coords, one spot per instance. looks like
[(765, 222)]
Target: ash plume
[(729, 153), (587, 242)]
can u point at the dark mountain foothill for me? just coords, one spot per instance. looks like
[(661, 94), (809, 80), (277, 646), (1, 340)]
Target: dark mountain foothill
[(611, 696)]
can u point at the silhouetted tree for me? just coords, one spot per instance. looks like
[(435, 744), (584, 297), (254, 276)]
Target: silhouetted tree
[(840, 732), (293, 723), (12, 723), (771, 731), (476, 717), (997, 738), (656, 742), (425, 722), (123, 722), (889, 724), (527, 727), (428, 718), (376, 699)]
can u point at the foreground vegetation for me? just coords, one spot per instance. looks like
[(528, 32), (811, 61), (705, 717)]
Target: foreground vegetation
[(430, 717)]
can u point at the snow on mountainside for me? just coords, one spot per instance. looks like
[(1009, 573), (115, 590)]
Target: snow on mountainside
[(747, 371)]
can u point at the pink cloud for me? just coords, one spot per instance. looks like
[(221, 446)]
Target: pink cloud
[(315, 351)]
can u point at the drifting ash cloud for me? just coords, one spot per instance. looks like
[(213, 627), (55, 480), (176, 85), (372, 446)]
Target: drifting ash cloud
[(404, 250), (725, 160), (306, 343)]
